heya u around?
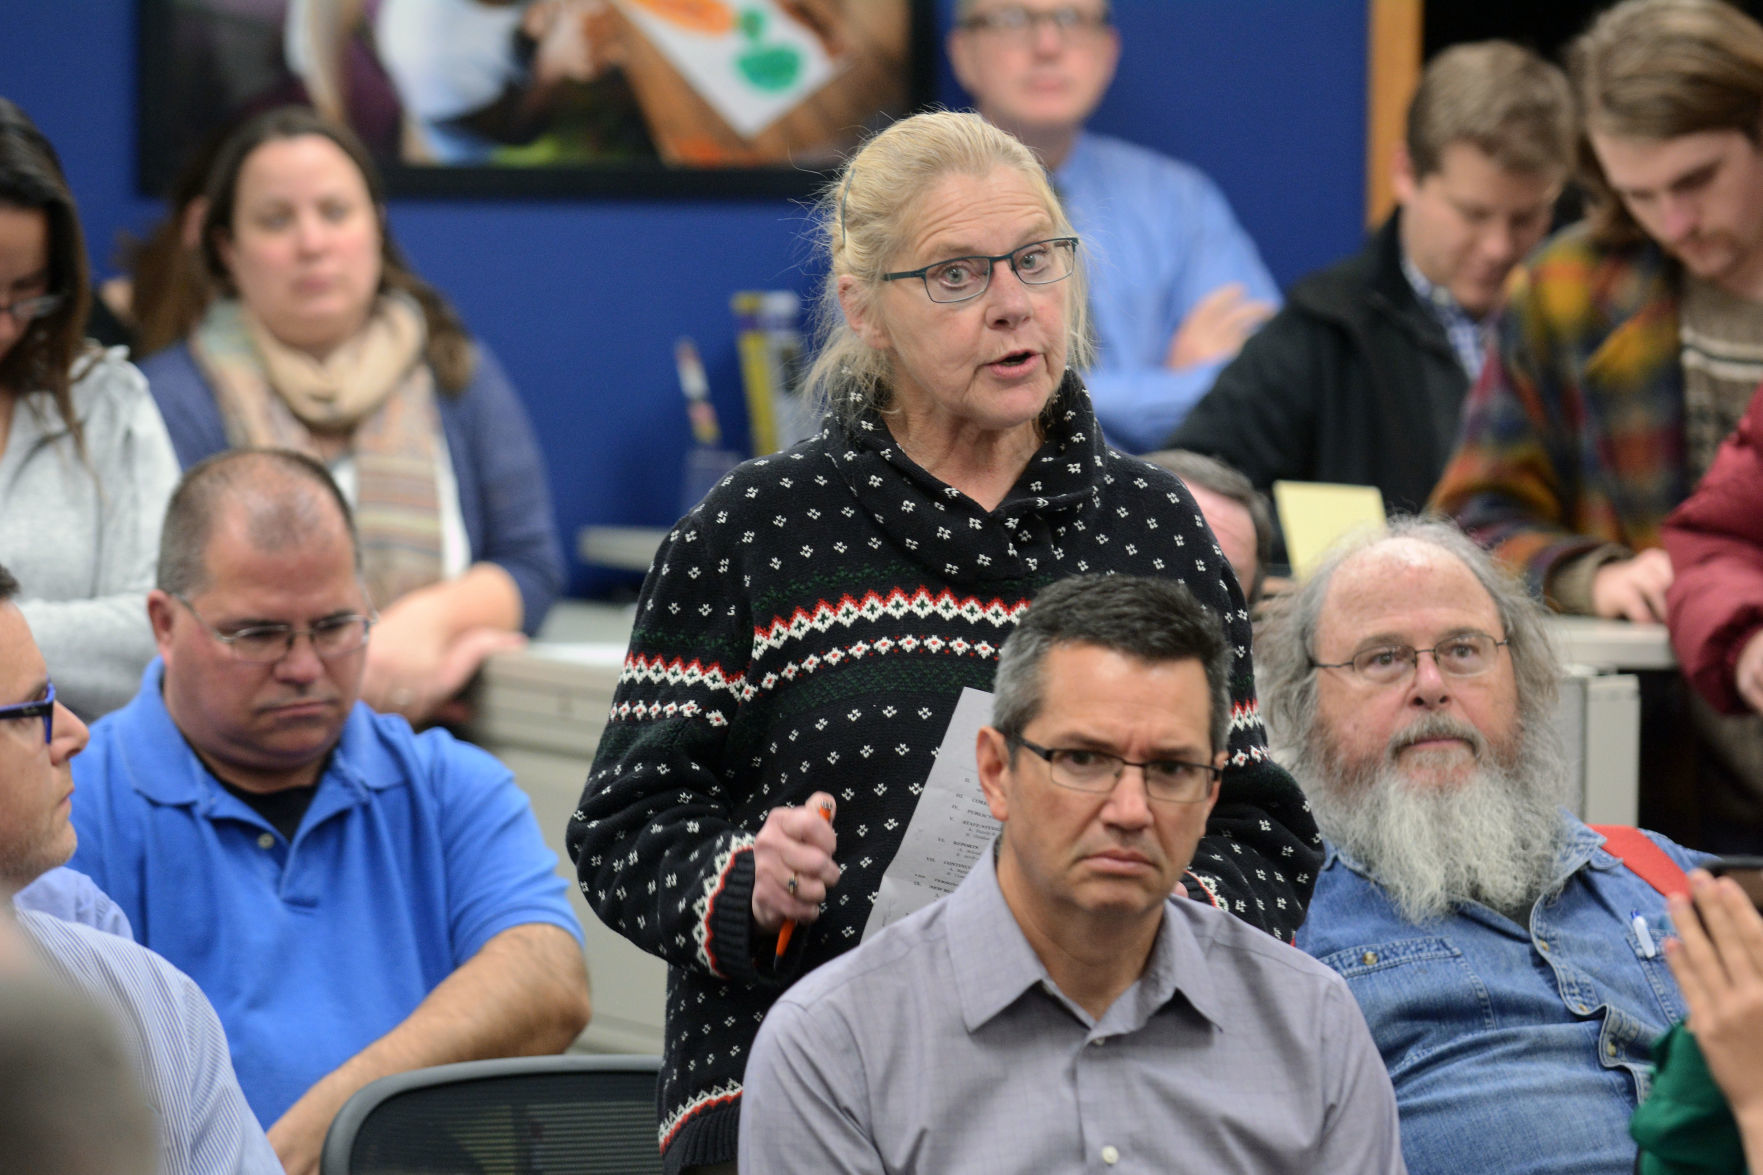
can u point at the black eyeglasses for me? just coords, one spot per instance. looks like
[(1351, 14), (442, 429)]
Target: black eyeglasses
[(43, 707), (1175, 781), (1021, 22), (1038, 263), (262, 644), (1468, 654), (30, 309)]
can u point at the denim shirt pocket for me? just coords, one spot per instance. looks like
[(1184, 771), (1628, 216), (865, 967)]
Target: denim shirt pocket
[(1650, 953), (1417, 994)]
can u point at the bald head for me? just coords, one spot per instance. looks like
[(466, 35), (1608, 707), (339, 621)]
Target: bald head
[(280, 499)]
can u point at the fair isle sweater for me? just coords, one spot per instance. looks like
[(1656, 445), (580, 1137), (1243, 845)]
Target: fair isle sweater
[(809, 626)]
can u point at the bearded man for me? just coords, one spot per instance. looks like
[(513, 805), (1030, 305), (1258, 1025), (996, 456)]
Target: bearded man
[(1506, 956)]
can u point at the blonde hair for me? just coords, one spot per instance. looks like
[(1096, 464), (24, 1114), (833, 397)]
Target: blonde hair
[(866, 217), (1660, 69)]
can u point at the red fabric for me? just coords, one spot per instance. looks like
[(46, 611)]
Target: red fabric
[(1715, 540), (1644, 859)]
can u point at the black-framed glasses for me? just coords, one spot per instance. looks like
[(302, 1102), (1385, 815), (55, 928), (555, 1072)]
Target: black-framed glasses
[(30, 309), (1174, 781), (43, 707), (1022, 22), (1038, 263), (262, 644), (1468, 654)]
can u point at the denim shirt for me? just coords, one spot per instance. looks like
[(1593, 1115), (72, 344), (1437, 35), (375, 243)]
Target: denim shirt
[(1512, 1049)]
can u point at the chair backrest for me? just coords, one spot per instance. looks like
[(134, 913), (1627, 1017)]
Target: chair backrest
[(576, 1113)]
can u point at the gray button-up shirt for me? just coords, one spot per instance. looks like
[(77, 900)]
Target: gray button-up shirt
[(943, 1046)]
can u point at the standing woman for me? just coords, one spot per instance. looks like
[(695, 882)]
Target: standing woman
[(323, 340), (85, 464), (804, 633)]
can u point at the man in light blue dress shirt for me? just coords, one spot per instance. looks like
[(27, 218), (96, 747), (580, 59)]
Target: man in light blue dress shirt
[(1507, 957), (170, 1034), (1176, 285), (1060, 1011)]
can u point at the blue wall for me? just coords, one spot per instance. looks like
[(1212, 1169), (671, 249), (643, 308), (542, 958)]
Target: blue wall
[(582, 299)]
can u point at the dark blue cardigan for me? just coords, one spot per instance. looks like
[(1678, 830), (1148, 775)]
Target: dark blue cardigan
[(503, 492)]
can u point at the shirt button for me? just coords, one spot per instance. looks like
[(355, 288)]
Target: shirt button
[(266, 841), (1098, 1042), (1368, 958), (1110, 1155), (1611, 1048), (1543, 947)]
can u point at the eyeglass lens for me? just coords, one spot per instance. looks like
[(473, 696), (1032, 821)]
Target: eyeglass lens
[(1037, 263)]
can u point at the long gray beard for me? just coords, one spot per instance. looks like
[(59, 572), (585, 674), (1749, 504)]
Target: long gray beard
[(1492, 839)]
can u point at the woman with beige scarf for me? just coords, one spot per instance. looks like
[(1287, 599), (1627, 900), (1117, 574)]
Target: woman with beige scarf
[(326, 343)]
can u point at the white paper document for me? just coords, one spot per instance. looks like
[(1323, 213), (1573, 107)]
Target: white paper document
[(951, 827)]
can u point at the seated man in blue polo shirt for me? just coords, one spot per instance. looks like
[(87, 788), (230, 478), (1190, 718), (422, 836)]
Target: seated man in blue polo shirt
[(1059, 1011), (356, 899)]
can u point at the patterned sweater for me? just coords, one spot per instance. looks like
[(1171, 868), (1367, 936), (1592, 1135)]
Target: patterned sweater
[(809, 626), (1572, 440)]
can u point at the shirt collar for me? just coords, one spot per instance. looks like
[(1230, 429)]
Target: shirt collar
[(1468, 335), (167, 771), (994, 964)]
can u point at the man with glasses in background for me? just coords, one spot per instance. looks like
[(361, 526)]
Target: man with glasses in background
[(172, 1044), (356, 899), (1059, 1010), (1176, 285), (1508, 958)]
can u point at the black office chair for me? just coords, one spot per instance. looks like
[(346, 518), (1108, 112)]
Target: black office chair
[(574, 1114)]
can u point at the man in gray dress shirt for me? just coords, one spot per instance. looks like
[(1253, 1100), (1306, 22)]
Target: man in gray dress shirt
[(1059, 1011)]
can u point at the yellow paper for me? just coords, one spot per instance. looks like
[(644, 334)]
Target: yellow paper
[(1315, 515)]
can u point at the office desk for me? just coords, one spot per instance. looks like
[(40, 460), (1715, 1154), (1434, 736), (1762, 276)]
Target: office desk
[(1614, 645), (541, 710)]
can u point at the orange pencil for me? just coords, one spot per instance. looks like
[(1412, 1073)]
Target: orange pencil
[(789, 926)]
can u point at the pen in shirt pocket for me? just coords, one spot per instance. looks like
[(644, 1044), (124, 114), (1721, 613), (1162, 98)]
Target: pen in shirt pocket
[(1648, 949)]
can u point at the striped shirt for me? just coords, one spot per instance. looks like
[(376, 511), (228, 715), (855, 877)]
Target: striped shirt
[(179, 1050)]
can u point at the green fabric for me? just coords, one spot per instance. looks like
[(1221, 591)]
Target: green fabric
[(1685, 1127)]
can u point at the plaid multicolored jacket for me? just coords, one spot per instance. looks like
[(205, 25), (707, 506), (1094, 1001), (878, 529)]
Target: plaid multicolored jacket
[(1573, 436)]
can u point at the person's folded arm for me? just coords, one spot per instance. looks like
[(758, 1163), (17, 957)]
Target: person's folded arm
[(524, 993)]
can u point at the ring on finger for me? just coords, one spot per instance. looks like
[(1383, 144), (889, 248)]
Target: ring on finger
[(791, 885)]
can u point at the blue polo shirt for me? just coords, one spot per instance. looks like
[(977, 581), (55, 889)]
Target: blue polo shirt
[(416, 851)]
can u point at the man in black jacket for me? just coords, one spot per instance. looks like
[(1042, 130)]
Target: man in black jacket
[(1361, 377)]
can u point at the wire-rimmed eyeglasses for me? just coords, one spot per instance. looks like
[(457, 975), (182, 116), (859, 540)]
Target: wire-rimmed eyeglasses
[(1083, 769), (1038, 263), (1020, 22), (1468, 654), (43, 707), (27, 310), (262, 644)]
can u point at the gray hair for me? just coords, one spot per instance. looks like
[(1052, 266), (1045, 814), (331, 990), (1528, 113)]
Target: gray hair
[(865, 218), (1149, 620), (1209, 473), (1285, 647), (1496, 96), (964, 11), (284, 493)]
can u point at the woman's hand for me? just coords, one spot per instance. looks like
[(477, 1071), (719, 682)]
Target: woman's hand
[(428, 643), (795, 844), (1717, 958), (413, 668)]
